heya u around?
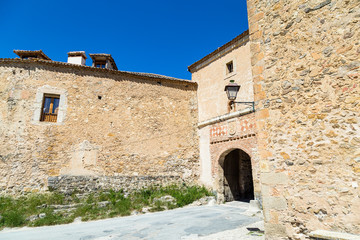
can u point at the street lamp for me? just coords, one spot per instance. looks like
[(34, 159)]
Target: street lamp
[(231, 90)]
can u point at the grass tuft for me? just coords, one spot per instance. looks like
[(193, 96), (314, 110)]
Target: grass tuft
[(26, 210)]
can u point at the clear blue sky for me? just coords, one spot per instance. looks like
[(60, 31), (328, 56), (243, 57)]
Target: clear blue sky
[(156, 36)]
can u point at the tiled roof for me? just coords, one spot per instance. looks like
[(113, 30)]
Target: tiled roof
[(77, 53), (205, 60), (95, 69), (30, 53), (106, 56)]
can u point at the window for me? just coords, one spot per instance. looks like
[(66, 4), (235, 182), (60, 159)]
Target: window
[(229, 67), (100, 64), (50, 108)]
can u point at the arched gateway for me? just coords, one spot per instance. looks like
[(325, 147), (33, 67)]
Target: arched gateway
[(237, 176)]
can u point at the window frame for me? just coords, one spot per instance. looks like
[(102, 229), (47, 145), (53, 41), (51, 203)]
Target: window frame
[(49, 117), (47, 90), (100, 64)]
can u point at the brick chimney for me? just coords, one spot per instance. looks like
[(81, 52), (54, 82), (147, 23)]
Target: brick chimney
[(78, 57)]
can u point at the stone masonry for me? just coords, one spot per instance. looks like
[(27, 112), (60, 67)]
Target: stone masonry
[(305, 65), (128, 126)]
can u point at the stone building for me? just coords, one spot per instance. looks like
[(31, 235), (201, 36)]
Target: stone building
[(228, 162), (68, 125), (305, 66), (298, 152), (304, 141)]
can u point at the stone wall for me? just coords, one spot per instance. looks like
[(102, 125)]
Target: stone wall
[(305, 65), (85, 184), (112, 124)]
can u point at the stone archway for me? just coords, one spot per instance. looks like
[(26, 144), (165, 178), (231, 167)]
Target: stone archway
[(237, 176)]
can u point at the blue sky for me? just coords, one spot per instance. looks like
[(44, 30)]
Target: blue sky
[(156, 36)]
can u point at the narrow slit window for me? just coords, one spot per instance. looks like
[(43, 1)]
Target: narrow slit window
[(229, 67), (50, 108)]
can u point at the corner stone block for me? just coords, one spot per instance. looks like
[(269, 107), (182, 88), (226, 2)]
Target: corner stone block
[(260, 96), (257, 35), (257, 17), (256, 58), (265, 190), (257, 88), (251, 12), (274, 217), (275, 231), (274, 178), (259, 78), (255, 47), (262, 114), (257, 70), (274, 203)]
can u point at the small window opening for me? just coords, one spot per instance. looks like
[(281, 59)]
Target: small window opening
[(229, 67), (159, 83), (99, 97), (100, 64), (50, 108)]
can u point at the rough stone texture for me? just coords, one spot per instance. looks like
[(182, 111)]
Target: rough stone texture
[(70, 184), (113, 125), (307, 117)]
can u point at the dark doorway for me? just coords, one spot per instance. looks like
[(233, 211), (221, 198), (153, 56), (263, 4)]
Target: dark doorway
[(238, 180)]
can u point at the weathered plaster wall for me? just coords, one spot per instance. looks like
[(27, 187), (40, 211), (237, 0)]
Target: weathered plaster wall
[(212, 101), (206, 176), (212, 79), (305, 63), (139, 127)]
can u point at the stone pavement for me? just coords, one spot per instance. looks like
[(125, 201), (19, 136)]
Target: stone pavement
[(226, 221)]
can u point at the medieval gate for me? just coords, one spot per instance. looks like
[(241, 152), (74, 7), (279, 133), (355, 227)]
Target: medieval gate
[(238, 180)]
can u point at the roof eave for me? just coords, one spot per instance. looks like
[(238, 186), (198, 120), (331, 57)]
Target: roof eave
[(223, 47), (95, 69)]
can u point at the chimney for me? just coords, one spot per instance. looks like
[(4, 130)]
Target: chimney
[(78, 57)]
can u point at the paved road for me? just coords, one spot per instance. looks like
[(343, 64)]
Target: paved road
[(226, 221)]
